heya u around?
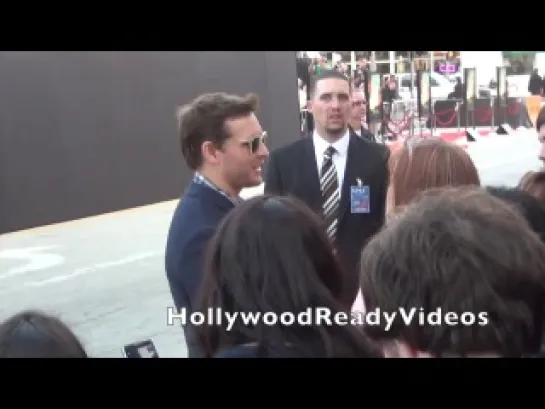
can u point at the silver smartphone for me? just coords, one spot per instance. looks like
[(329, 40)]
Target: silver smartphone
[(143, 349)]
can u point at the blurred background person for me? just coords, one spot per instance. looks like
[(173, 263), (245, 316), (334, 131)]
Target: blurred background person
[(535, 83), (357, 121), (540, 127)]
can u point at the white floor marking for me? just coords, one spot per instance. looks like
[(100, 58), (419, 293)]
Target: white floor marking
[(94, 268), (35, 258)]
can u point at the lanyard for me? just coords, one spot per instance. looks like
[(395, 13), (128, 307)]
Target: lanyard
[(200, 179)]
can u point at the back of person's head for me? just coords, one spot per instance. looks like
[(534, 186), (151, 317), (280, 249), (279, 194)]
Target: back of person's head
[(204, 119), (33, 334), (470, 258), (271, 255), (534, 184), (530, 207), (427, 164)]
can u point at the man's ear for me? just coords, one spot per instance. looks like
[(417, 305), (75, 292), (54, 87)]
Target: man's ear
[(309, 106), (209, 152)]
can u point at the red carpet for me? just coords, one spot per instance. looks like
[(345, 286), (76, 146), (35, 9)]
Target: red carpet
[(449, 136)]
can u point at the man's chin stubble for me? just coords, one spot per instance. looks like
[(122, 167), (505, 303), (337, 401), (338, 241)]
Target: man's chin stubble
[(336, 131)]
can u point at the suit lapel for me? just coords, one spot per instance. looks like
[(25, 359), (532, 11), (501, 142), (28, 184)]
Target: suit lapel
[(357, 167), (309, 174)]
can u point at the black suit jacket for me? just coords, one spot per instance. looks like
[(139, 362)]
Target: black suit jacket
[(365, 133), (292, 170)]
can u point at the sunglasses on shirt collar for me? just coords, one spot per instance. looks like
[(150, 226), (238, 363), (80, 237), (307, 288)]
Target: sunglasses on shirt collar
[(255, 142)]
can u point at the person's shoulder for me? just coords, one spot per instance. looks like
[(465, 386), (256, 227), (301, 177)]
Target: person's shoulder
[(191, 221), (185, 231), (372, 148), (367, 134), (188, 208), (293, 148)]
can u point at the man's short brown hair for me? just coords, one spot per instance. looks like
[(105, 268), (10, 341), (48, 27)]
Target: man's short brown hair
[(204, 119), (328, 74), (460, 250)]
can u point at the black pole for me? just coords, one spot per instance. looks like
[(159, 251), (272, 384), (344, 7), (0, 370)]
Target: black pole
[(366, 83)]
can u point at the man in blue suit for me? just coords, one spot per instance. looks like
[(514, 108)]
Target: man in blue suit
[(223, 142)]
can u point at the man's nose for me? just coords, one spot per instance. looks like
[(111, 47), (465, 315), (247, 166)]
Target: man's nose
[(262, 152), (335, 103)]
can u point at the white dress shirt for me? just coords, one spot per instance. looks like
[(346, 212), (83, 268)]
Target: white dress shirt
[(339, 157)]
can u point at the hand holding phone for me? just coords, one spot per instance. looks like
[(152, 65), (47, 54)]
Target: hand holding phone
[(143, 349)]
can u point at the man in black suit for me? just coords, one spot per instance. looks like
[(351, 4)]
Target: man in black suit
[(358, 113), (339, 175)]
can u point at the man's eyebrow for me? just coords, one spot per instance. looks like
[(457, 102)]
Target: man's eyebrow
[(331, 93)]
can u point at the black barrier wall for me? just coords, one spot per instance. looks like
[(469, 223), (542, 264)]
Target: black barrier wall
[(84, 133)]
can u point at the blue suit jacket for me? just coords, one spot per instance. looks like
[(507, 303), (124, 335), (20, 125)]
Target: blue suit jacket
[(194, 222)]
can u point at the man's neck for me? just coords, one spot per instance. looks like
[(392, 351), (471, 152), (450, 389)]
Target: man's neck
[(355, 124), (219, 183), (329, 137)]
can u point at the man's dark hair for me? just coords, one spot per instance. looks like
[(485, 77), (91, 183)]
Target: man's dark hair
[(534, 184), (326, 74), (530, 207), (540, 121), (463, 251), (204, 120)]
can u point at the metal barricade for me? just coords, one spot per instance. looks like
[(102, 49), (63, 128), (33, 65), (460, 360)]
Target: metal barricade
[(433, 114), (398, 116)]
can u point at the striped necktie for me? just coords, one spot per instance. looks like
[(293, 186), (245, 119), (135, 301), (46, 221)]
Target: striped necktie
[(329, 185)]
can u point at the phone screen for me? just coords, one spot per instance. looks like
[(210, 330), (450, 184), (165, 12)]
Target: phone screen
[(144, 349)]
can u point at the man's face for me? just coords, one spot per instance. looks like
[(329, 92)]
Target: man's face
[(357, 112), (330, 105), (542, 141), (243, 154)]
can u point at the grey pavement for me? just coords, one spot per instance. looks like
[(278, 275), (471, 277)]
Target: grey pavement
[(105, 277), (503, 159)]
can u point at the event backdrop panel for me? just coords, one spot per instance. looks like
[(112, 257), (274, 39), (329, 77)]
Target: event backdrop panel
[(84, 133)]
